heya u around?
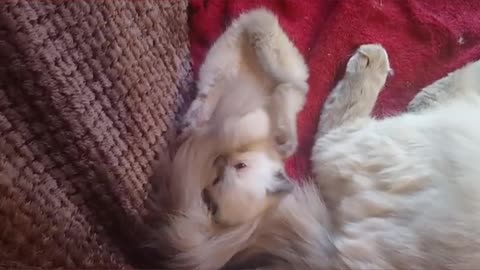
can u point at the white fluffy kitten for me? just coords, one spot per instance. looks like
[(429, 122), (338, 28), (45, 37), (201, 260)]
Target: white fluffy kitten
[(240, 128), (251, 87)]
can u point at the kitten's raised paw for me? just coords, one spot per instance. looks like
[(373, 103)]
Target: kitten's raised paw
[(370, 58), (286, 144)]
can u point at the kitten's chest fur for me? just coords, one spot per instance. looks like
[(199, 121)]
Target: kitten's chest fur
[(402, 192)]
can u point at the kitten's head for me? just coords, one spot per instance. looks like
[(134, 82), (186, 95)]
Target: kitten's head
[(249, 182)]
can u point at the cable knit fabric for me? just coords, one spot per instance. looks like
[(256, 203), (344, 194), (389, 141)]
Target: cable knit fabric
[(89, 91)]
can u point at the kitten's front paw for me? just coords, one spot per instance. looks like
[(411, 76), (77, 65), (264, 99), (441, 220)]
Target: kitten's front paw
[(286, 143), (370, 59)]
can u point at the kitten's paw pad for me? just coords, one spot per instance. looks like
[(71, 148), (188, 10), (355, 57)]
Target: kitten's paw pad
[(286, 144), (372, 58)]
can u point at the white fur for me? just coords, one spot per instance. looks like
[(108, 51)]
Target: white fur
[(240, 195), (253, 65), (397, 193), (401, 193), (250, 89)]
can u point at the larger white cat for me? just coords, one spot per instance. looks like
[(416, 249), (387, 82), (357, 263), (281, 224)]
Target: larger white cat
[(403, 192)]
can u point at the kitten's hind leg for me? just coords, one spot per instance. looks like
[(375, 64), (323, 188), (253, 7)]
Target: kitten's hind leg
[(274, 51), (461, 83), (259, 33), (355, 95), (224, 61)]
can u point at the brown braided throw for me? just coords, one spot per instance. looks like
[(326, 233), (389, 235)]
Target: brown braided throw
[(88, 90)]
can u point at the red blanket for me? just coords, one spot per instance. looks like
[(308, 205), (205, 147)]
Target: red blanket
[(425, 41)]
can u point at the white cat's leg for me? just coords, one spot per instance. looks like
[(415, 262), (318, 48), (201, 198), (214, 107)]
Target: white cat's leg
[(355, 95), (286, 101), (282, 62), (459, 84), (221, 62), (347, 110)]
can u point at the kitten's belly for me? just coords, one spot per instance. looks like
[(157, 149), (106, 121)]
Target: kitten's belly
[(397, 198)]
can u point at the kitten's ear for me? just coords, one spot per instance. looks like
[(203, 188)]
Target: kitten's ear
[(281, 186)]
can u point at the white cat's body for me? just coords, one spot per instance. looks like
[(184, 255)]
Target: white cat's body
[(398, 193), (404, 192)]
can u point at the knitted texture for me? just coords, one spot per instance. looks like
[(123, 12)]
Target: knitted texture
[(88, 91)]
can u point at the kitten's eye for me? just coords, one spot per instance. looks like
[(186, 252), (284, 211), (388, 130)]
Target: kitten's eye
[(240, 166)]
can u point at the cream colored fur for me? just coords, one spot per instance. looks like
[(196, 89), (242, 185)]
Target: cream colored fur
[(252, 66), (397, 193), (251, 87), (403, 192), (400, 193)]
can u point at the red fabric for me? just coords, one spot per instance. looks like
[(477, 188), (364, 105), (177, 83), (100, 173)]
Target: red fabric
[(425, 41)]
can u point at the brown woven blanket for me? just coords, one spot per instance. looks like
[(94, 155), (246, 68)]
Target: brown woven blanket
[(88, 92)]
